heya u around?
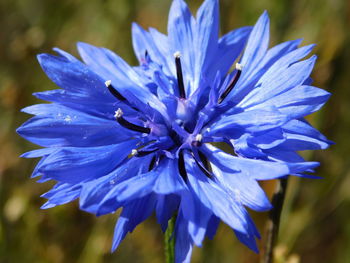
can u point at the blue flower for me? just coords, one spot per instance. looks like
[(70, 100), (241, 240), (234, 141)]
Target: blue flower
[(143, 138)]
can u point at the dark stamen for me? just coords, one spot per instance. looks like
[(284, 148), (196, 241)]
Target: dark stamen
[(114, 92), (145, 59), (175, 137), (123, 122), (181, 165), (198, 140), (203, 164), (232, 84), (152, 163), (180, 79), (204, 160), (144, 153), (117, 94)]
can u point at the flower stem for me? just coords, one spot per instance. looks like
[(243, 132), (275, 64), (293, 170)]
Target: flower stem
[(169, 241), (274, 220)]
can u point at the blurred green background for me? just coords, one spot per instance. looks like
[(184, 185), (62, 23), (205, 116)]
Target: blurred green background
[(315, 222)]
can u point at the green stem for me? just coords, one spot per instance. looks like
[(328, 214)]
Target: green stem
[(274, 220), (169, 241)]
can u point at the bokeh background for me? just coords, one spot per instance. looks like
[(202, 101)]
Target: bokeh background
[(315, 221)]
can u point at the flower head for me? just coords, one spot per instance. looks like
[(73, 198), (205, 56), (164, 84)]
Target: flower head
[(142, 138)]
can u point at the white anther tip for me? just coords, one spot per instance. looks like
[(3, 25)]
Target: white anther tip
[(199, 137), (239, 66), (133, 152), (118, 113), (177, 54), (108, 83)]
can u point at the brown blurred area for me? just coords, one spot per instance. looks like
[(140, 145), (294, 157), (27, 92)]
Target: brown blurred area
[(315, 221)]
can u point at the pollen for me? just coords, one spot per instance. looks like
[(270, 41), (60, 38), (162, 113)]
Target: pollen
[(177, 54), (199, 137), (134, 152), (118, 113), (108, 83)]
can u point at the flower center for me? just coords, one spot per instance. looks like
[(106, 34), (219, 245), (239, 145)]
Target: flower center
[(176, 137)]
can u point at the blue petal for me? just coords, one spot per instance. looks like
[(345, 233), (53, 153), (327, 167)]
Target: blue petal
[(196, 214), (257, 44), (304, 131), (286, 59), (61, 194), (65, 55), (86, 102), (57, 125), (124, 78), (169, 180), (277, 58), (251, 121), (120, 230), (183, 242), (279, 51), (212, 227), (229, 48), (39, 152), (36, 172), (294, 160), (73, 76), (144, 41), (249, 239), (180, 36), (277, 154), (133, 214), (284, 50), (161, 41), (163, 45), (108, 65), (244, 189), (243, 148), (198, 227), (299, 135), (269, 139), (278, 81), (206, 36), (93, 192), (299, 101), (214, 198), (72, 164), (166, 207), (136, 187), (256, 169), (92, 198)]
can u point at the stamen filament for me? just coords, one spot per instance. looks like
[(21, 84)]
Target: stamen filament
[(203, 164), (143, 153), (232, 83), (123, 122), (152, 163), (180, 80), (113, 91), (181, 165)]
